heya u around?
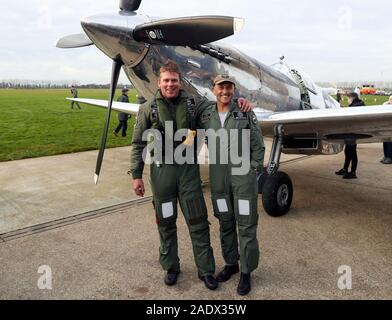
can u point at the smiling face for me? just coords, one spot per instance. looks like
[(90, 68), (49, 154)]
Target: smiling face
[(169, 83), (224, 92)]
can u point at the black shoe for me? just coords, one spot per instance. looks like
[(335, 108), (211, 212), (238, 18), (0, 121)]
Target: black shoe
[(244, 284), (341, 172), (210, 282), (386, 161), (350, 175), (227, 272), (171, 278), (115, 133)]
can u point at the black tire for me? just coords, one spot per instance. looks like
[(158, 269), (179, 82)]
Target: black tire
[(277, 194)]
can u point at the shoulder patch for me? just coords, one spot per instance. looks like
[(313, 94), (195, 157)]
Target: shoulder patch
[(238, 115)]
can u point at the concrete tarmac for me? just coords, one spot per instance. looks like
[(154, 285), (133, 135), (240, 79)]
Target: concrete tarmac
[(334, 226)]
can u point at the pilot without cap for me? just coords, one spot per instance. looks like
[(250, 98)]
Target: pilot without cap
[(172, 182), (122, 116), (350, 151), (234, 196), (74, 93)]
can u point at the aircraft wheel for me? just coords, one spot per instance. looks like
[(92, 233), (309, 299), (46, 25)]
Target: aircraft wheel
[(277, 194)]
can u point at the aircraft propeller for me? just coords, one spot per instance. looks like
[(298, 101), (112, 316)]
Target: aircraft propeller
[(183, 31), (116, 68), (186, 31), (130, 5)]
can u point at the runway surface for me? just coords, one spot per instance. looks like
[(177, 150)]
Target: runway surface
[(101, 243)]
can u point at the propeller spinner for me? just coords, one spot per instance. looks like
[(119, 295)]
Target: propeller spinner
[(130, 5)]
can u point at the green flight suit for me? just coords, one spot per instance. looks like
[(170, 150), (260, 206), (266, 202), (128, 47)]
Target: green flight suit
[(172, 182), (234, 197)]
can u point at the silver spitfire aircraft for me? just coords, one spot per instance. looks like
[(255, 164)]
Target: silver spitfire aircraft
[(299, 115)]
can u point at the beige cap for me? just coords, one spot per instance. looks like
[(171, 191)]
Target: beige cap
[(223, 78)]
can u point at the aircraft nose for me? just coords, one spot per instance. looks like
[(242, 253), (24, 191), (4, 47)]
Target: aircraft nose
[(112, 34)]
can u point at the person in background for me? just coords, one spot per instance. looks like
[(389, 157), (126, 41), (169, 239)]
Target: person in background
[(122, 116), (351, 148), (358, 92), (387, 145), (74, 93), (338, 96)]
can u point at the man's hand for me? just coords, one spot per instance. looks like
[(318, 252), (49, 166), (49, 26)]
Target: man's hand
[(138, 187), (244, 105)]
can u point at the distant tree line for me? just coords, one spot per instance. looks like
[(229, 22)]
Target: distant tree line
[(43, 84), (381, 85), (49, 84)]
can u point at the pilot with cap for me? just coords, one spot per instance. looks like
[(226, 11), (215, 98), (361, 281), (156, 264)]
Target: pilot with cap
[(122, 116), (234, 195)]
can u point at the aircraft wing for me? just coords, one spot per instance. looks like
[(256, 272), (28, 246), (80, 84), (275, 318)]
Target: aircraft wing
[(364, 124), (130, 108)]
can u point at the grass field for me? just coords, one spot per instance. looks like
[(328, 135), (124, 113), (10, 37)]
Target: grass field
[(369, 100), (36, 123)]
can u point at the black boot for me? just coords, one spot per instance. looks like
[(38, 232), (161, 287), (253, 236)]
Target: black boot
[(244, 284), (227, 272), (171, 277), (209, 281), (341, 172), (386, 161), (350, 175)]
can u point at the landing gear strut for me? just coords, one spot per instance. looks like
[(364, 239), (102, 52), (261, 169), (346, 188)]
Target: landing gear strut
[(276, 186)]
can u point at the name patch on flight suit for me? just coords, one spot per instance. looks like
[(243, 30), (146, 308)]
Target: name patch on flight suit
[(191, 106), (205, 117), (238, 115)]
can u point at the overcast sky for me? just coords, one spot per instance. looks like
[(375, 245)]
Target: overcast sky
[(330, 40)]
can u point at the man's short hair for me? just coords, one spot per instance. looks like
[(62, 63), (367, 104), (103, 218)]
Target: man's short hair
[(170, 66), (353, 95)]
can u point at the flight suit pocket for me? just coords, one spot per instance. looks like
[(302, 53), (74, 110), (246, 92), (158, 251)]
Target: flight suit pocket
[(166, 210), (223, 209), (246, 210), (197, 210)]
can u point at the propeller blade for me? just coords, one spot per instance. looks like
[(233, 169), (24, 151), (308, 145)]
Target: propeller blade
[(73, 41), (113, 84), (130, 5), (188, 31)]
